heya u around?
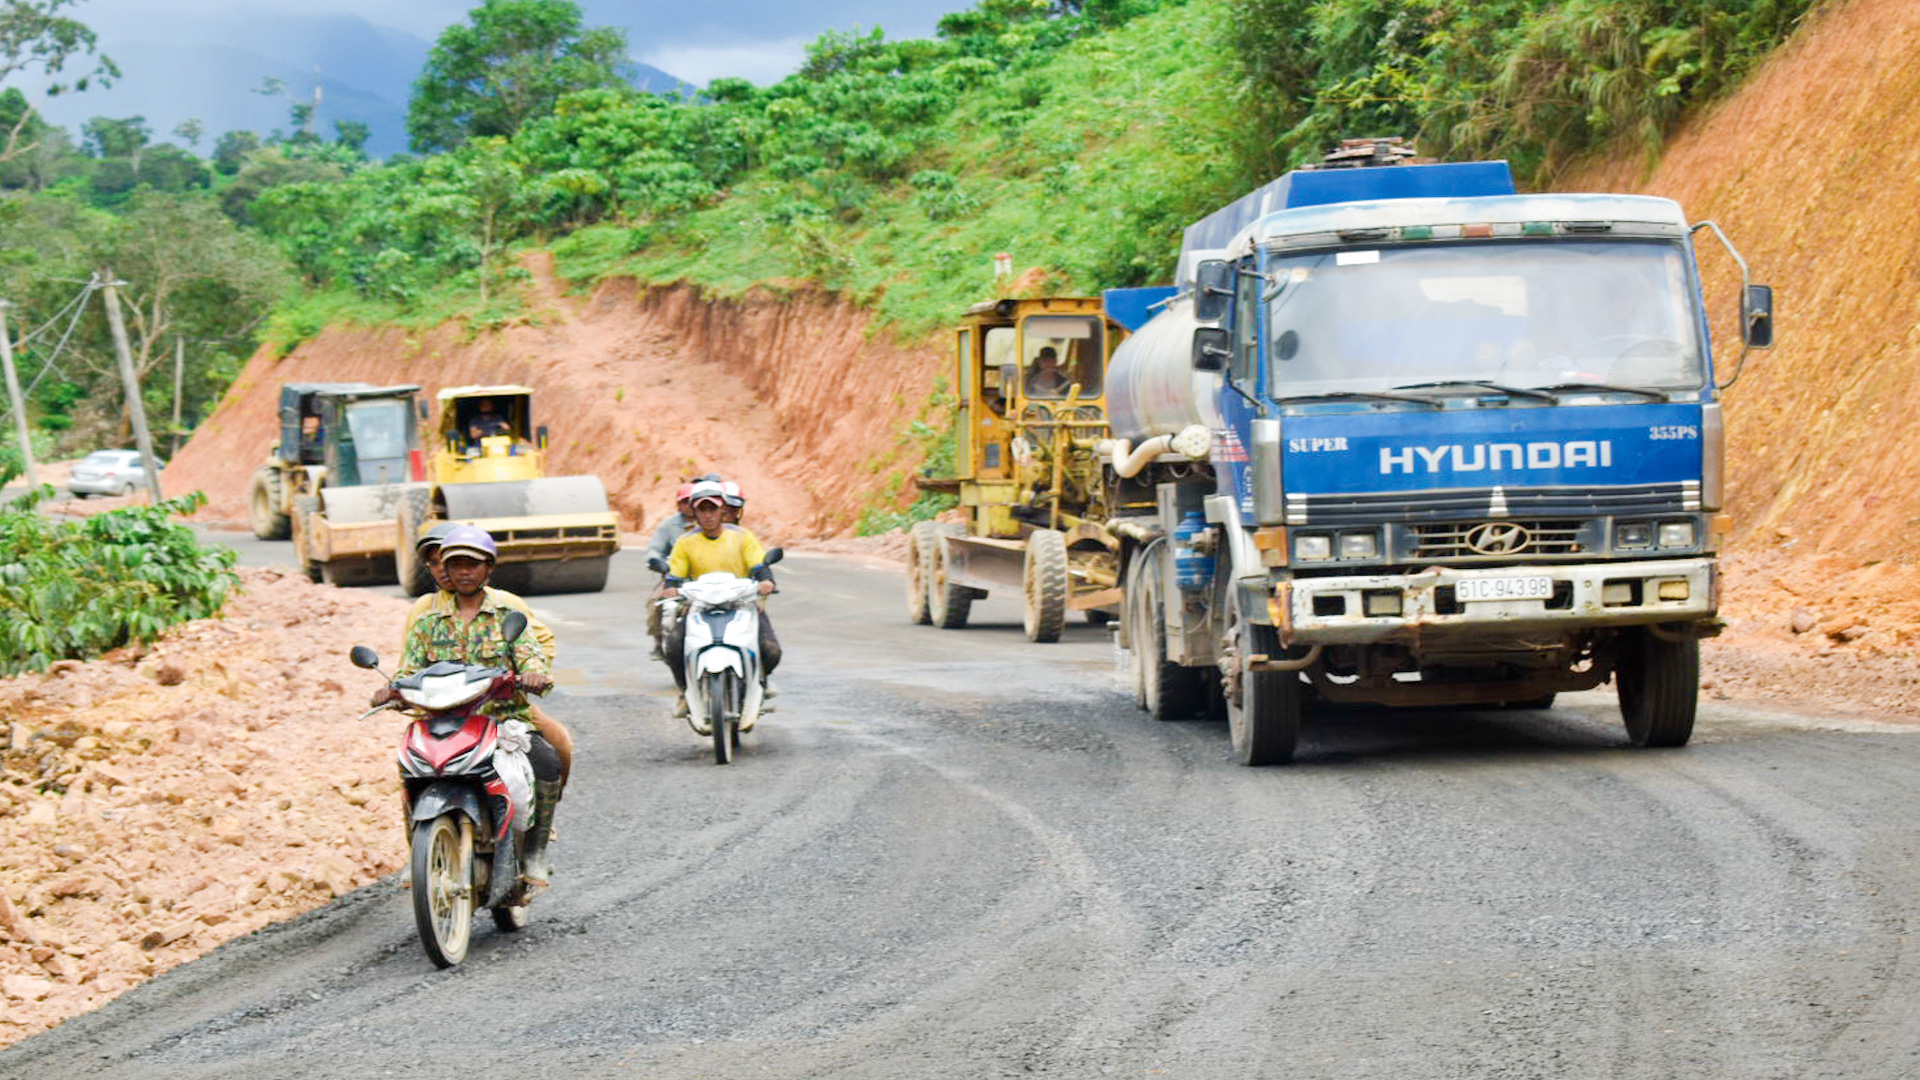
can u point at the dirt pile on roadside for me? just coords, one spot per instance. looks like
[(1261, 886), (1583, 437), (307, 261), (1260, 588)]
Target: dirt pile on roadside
[(156, 803), (789, 394)]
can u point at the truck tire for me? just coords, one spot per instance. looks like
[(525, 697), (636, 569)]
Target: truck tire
[(1265, 720), (408, 566), (1659, 685), (1168, 691), (1043, 579), (304, 508), (263, 504), (948, 604), (921, 540)]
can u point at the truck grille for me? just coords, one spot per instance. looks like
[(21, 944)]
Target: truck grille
[(1495, 539), (1516, 503)]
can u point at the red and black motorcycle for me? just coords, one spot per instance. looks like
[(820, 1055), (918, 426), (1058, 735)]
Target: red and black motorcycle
[(467, 802)]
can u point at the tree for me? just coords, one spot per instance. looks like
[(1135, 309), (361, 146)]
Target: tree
[(107, 138), (352, 134), (506, 65), (190, 130), (230, 150), (34, 35)]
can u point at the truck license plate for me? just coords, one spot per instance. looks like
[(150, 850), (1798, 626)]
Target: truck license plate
[(1504, 588)]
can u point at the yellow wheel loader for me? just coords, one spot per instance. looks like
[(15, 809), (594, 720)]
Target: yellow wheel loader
[(488, 468), (348, 456), (1032, 408)]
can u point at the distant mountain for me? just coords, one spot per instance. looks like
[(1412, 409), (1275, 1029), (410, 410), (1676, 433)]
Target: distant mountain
[(209, 69)]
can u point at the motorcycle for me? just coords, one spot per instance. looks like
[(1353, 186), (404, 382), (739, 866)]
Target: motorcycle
[(468, 798), (722, 655)]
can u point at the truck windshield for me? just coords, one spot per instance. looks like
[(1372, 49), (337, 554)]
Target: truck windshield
[(379, 429), (1522, 314)]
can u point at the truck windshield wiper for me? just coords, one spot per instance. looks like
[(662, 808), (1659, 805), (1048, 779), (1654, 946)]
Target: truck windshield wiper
[(1484, 384), (1605, 388), (1359, 395)]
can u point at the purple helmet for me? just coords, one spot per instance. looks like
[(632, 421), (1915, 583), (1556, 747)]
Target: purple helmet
[(468, 540)]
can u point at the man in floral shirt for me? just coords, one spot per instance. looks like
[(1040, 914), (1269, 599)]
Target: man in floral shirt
[(469, 631)]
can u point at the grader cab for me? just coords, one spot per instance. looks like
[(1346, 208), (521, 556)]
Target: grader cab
[(1030, 378), (488, 468)]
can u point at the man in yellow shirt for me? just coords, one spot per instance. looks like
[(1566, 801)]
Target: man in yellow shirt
[(716, 547)]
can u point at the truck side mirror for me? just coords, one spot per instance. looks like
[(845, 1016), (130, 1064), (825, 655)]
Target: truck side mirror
[(1756, 316), (1212, 348), (1212, 290), (421, 408)]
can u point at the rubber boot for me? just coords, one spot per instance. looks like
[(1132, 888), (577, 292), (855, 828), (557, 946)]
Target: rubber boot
[(535, 869)]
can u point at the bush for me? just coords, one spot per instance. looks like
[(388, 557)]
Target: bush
[(74, 589)]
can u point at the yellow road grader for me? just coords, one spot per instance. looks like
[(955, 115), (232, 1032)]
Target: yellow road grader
[(1029, 375), (488, 468)]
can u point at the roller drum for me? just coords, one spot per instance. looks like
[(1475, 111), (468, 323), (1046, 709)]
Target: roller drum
[(364, 502), (524, 498), (1152, 387)]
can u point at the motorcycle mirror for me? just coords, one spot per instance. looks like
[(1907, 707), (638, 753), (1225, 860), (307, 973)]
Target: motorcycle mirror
[(513, 625), (364, 657), (773, 556), (658, 564)]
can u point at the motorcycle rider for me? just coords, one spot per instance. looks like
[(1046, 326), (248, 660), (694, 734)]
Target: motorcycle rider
[(468, 630), (670, 530), (736, 501), (716, 547)]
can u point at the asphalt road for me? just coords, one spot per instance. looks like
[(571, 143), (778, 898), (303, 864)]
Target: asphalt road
[(954, 854)]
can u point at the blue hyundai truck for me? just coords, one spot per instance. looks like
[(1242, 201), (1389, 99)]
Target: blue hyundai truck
[(1402, 436)]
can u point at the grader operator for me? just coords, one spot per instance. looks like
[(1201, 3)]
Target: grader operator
[(488, 468), (1032, 409)]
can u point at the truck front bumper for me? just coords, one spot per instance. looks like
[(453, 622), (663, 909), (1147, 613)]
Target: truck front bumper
[(1363, 610)]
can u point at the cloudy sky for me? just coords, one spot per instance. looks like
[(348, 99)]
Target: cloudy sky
[(203, 59)]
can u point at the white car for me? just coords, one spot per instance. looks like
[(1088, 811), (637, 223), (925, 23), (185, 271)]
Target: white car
[(107, 472)]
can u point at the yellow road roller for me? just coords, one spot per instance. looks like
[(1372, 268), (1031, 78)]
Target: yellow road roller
[(488, 468)]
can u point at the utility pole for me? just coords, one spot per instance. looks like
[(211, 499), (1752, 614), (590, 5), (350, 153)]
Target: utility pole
[(179, 366), (131, 381), (13, 395)]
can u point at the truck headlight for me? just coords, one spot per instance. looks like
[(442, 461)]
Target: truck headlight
[(1628, 535), (1359, 545), (1312, 548), (1676, 534)]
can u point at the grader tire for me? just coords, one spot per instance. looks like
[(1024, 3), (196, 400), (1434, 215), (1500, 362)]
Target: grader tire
[(408, 566), (263, 504), (921, 540), (948, 603), (1043, 577)]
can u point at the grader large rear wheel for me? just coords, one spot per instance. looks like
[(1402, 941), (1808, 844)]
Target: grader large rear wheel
[(263, 505), (1043, 577), (921, 540), (948, 603)]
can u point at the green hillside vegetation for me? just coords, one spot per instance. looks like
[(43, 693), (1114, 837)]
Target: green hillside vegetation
[(1079, 136)]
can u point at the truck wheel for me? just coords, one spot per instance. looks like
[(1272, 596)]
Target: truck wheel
[(304, 508), (1659, 684), (1043, 578), (921, 540), (1168, 691), (408, 566), (263, 502), (1264, 716), (947, 603)]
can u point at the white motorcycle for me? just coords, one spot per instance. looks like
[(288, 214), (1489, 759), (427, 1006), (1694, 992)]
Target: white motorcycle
[(722, 655)]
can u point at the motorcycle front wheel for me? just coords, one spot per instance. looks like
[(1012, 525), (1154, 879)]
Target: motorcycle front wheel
[(719, 692), (442, 890)]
